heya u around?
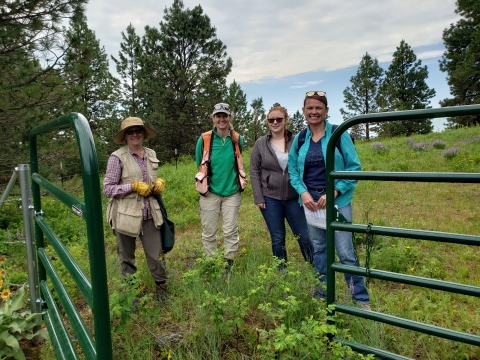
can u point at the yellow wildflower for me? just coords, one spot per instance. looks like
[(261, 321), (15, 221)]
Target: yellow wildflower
[(2, 272), (2, 258), (5, 293)]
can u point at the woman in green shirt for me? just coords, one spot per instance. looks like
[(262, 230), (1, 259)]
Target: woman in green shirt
[(224, 197)]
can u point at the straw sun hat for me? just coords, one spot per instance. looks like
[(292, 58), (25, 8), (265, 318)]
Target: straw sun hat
[(132, 122)]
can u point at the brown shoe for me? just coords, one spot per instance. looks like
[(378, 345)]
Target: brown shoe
[(161, 292), (366, 307)]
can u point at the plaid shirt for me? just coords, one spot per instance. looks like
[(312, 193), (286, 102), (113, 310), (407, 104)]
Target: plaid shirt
[(113, 175)]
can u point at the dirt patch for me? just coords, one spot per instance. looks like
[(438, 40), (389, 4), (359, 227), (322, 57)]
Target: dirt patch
[(31, 350)]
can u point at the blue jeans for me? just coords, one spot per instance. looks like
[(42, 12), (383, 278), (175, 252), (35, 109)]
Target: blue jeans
[(275, 213), (346, 254)]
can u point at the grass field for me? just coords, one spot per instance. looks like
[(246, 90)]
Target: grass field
[(254, 312)]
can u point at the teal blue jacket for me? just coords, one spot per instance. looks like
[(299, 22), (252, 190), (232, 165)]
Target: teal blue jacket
[(349, 162)]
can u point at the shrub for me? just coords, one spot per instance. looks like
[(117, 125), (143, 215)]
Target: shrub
[(439, 144), (470, 140), (421, 146), (379, 148), (450, 153)]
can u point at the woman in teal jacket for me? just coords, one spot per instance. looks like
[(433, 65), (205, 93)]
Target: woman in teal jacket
[(306, 165)]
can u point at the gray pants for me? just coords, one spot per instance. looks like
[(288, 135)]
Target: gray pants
[(212, 207), (152, 247)]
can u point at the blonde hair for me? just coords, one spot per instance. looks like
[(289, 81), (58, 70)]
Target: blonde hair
[(285, 115)]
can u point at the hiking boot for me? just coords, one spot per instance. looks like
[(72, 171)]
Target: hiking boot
[(161, 292), (365, 307)]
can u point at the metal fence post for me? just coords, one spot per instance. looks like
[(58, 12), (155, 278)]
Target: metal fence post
[(27, 210), (8, 188)]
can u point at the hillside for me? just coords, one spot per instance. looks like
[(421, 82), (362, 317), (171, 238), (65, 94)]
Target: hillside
[(254, 310)]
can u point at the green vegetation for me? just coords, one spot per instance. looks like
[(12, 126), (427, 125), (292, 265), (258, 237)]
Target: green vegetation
[(254, 312), (16, 324), (459, 61)]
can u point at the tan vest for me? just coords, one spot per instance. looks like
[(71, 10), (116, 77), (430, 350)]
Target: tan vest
[(126, 215)]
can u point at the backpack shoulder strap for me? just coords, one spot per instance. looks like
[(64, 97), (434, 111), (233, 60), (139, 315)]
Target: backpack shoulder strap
[(236, 149), (207, 138), (301, 139), (207, 144)]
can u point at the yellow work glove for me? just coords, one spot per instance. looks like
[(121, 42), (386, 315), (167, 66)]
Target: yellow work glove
[(158, 186), (141, 188)]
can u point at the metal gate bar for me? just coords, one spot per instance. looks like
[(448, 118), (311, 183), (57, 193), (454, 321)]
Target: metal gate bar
[(334, 225), (90, 209)]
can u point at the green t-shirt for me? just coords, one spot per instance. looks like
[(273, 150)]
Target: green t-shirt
[(223, 167)]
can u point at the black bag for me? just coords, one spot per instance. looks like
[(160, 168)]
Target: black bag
[(167, 230)]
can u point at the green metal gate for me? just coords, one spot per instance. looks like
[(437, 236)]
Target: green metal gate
[(334, 224), (96, 291)]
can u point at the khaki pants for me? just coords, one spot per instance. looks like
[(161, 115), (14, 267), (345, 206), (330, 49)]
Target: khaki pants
[(211, 208), (152, 247)]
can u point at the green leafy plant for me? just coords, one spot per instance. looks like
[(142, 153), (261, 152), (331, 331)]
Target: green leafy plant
[(208, 269), (225, 313), (308, 339), (127, 301), (16, 325)]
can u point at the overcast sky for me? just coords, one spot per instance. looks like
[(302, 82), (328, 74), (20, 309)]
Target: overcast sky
[(282, 48)]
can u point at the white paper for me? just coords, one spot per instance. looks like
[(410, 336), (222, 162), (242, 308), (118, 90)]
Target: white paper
[(317, 218)]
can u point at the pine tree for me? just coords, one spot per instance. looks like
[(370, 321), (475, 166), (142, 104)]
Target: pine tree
[(461, 61), (91, 87), (237, 99), (128, 68), (31, 88), (87, 72), (404, 88), (256, 126), (362, 96), (297, 122), (184, 69)]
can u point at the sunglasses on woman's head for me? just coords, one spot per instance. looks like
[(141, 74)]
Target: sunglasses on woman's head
[(319, 93), (272, 120), (221, 107), (134, 131)]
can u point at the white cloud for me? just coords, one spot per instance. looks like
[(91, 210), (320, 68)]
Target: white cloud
[(305, 84), (274, 39), (430, 54)]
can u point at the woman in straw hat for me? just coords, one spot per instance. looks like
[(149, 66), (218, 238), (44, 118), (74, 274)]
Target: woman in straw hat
[(130, 180)]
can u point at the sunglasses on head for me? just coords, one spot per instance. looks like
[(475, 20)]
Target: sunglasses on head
[(221, 107), (319, 93), (134, 131), (272, 120)]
